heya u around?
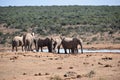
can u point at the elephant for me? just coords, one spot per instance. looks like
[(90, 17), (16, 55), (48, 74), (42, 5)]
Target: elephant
[(71, 44), (28, 40), (78, 41), (56, 43), (16, 42), (42, 42)]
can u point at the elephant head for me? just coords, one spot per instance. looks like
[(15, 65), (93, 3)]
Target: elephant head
[(56, 43)]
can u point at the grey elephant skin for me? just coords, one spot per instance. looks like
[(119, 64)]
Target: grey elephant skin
[(44, 42), (56, 43), (71, 44), (28, 40), (16, 42)]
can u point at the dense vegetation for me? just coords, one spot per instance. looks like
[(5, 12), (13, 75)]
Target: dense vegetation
[(62, 19)]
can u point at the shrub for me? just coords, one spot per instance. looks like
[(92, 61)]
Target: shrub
[(1, 33), (94, 38), (118, 38)]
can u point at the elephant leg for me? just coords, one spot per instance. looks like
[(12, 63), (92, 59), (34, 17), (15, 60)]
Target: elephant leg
[(31, 48), (16, 49), (58, 49), (65, 51), (69, 50), (22, 48), (49, 48), (72, 50), (81, 49), (37, 49), (41, 49), (12, 48), (75, 50), (25, 48), (54, 50), (28, 48)]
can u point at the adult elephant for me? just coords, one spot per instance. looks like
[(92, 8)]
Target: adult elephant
[(56, 43), (16, 42), (71, 44), (44, 42), (28, 40)]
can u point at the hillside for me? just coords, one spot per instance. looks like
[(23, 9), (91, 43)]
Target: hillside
[(94, 24)]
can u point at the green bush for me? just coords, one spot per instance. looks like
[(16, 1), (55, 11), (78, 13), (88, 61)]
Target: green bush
[(1, 33)]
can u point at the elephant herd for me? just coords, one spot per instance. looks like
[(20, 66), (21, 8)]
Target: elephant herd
[(53, 44)]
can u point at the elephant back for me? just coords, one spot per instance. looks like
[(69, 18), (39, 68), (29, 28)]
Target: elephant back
[(17, 41), (67, 39), (28, 38), (67, 43), (43, 41)]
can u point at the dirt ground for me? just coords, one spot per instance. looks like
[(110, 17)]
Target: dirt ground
[(49, 66)]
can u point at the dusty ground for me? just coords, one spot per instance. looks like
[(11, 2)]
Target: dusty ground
[(49, 66)]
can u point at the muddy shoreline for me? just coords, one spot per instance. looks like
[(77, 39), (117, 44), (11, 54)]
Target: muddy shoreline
[(91, 47)]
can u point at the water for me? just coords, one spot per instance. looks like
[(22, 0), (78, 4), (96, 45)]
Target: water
[(88, 51), (101, 50)]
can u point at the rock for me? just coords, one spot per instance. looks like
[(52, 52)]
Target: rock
[(92, 64), (47, 73), (100, 63), (35, 74), (79, 76), (70, 74), (70, 67), (85, 63), (59, 67), (24, 73), (50, 58), (107, 58), (39, 74), (107, 65)]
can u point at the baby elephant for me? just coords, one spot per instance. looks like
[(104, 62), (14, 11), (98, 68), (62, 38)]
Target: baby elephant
[(16, 42)]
